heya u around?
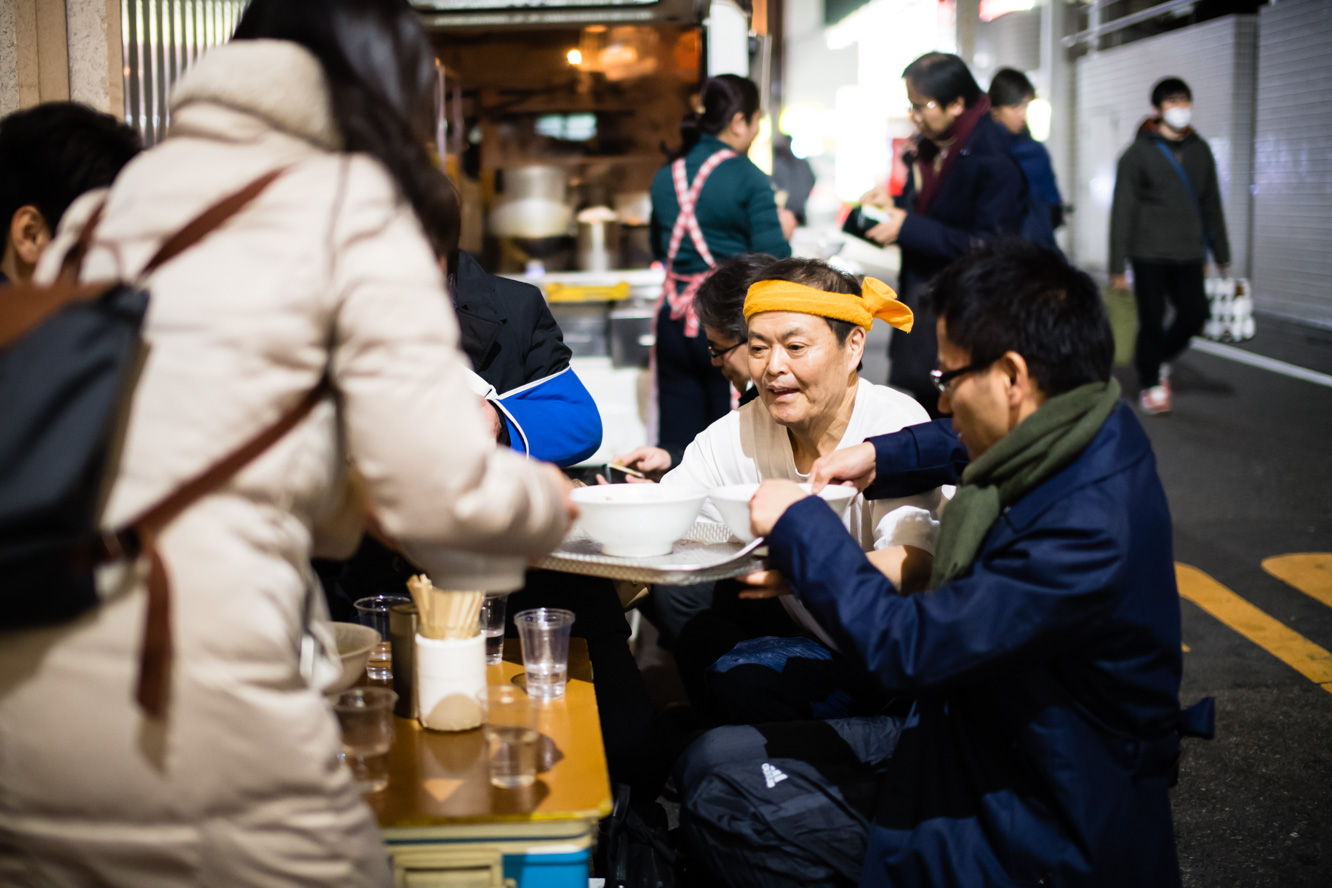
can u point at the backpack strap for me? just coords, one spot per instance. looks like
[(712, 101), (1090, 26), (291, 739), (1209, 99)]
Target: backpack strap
[(72, 264), (1188, 186), (209, 219), (24, 306), (140, 536)]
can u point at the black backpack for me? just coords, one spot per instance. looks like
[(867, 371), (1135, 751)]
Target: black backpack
[(638, 849), (69, 357)]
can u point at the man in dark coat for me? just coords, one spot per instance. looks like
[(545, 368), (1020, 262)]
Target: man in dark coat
[(1165, 218), (1043, 666), (964, 187), (541, 408)]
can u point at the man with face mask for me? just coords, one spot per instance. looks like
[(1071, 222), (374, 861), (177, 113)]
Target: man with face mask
[(1165, 218)]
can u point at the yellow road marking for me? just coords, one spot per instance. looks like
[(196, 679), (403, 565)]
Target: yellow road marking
[(1279, 640), (1310, 572)]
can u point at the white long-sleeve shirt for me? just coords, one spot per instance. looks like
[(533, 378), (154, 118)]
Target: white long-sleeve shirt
[(748, 446)]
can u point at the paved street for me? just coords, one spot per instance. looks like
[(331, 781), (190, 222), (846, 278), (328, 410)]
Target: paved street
[(1244, 458)]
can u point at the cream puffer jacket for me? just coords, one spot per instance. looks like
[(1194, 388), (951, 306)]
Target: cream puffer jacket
[(327, 269)]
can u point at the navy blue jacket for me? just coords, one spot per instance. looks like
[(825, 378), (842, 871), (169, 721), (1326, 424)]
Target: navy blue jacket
[(1034, 159), (1042, 193), (983, 194), (507, 330), (1044, 736)]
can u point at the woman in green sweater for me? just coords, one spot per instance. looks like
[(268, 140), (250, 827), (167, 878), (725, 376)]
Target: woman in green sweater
[(708, 204)]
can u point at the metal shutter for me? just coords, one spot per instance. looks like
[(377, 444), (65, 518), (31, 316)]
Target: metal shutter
[(1292, 241)]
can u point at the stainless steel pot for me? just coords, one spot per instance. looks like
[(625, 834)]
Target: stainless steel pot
[(598, 239)]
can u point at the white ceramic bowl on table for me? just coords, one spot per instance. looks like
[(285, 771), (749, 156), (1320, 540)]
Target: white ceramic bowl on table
[(733, 503), (636, 520), (355, 642)]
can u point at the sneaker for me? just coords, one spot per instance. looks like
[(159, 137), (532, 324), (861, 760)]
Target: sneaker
[(1165, 380), (1155, 400)]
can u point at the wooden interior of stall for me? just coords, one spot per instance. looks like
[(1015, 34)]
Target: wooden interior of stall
[(597, 102)]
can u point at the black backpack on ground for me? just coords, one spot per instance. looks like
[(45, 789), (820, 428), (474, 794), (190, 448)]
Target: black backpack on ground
[(639, 851)]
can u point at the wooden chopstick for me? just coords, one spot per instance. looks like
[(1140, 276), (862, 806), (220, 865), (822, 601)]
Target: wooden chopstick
[(626, 470)]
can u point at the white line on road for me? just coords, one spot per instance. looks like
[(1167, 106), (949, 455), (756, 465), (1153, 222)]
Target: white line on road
[(1240, 356)]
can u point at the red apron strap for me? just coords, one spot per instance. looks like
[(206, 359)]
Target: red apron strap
[(687, 194)]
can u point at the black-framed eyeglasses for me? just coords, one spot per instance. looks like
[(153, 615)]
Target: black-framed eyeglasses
[(942, 378), (718, 355)]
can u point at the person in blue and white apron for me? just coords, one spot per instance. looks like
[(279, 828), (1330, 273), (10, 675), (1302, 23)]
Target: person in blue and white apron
[(708, 204)]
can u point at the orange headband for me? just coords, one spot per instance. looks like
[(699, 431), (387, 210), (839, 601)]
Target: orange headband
[(876, 300)]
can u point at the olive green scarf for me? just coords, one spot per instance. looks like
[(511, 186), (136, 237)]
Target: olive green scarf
[(1041, 445)]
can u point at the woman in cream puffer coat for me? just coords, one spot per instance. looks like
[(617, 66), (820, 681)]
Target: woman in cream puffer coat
[(239, 783)]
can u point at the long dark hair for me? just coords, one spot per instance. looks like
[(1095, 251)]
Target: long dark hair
[(380, 70), (720, 99)]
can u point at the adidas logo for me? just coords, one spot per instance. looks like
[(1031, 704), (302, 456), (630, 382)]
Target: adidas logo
[(772, 775)]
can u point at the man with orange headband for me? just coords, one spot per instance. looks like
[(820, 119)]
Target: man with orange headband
[(807, 326), (1042, 666)]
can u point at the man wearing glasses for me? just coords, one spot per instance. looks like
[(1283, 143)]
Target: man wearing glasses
[(1043, 662), (964, 187)]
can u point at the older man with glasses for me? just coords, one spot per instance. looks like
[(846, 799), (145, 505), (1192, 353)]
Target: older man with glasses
[(1043, 664)]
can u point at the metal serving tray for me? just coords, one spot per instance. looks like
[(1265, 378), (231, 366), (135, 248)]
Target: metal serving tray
[(705, 553)]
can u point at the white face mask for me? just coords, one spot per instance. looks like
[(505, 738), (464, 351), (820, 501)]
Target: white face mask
[(1178, 118)]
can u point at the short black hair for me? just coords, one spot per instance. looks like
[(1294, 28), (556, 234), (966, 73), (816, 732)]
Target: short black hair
[(720, 301), (821, 276), (54, 152), (1170, 88), (944, 78), (1010, 87), (1013, 295)]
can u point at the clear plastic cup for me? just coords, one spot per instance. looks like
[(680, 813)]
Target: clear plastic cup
[(373, 611), (512, 736), (492, 627), (544, 633), (366, 717)]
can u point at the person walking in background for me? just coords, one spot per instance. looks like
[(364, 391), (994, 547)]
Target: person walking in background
[(791, 175), (1010, 94), (708, 204), (1165, 218), (49, 155), (964, 187)]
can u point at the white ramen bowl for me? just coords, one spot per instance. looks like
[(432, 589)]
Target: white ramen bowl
[(636, 520), (733, 503), (355, 642)]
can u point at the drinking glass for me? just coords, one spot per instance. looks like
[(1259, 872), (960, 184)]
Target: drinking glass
[(373, 611), (366, 717), (544, 633), (511, 736), (492, 627)]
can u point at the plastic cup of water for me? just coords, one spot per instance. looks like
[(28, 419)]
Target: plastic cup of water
[(492, 627), (544, 633), (366, 717), (373, 611), (512, 736)]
